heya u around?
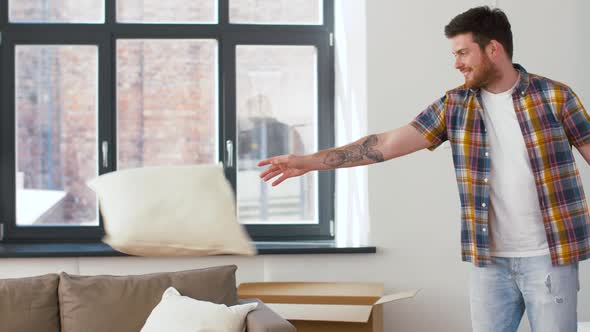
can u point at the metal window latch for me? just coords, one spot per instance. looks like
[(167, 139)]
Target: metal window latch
[(105, 154), (229, 150), (332, 228), (331, 39)]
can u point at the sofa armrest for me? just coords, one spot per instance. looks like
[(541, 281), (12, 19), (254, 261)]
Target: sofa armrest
[(263, 319)]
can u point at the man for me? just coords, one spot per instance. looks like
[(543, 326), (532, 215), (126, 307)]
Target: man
[(524, 218)]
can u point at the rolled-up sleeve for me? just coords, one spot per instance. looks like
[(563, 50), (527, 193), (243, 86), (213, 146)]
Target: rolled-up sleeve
[(431, 123)]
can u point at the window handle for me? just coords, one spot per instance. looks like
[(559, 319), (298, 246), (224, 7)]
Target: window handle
[(105, 154), (229, 149)]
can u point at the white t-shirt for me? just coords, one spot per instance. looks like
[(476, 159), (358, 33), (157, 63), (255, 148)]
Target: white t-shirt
[(515, 221)]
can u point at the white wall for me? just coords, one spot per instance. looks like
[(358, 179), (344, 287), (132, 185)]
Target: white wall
[(413, 201)]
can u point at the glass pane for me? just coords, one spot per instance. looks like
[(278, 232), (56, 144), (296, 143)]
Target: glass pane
[(306, 12), (170, 11), (276, 114), (56, 11), (166, 102), (56, 134)]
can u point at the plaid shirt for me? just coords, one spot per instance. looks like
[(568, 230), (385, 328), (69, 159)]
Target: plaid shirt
[(551, 119)]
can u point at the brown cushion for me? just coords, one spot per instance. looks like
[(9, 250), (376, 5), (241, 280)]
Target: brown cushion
[(123, 303), (27, 304)]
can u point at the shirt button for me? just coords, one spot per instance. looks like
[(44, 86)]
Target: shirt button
[(522, 93), (487, 154), (483, 204), (484, 229), (485, 180)]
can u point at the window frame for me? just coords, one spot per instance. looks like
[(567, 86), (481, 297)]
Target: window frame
[(104, 36)]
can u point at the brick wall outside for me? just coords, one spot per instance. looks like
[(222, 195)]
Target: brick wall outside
[(56, 110)]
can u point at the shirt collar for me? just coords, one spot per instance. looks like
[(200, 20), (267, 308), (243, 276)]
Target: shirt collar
[(524, 82), (522, 85)]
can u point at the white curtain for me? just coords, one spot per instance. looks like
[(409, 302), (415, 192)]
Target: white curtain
[(352, 210)]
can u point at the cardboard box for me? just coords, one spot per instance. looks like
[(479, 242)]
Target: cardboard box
[(326, 306)]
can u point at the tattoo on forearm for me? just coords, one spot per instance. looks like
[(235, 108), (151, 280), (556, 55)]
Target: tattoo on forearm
[(355, 153)]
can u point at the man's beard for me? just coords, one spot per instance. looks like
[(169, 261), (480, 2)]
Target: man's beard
[(484, 75)]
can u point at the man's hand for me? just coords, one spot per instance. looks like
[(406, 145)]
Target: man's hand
[(287, 166)]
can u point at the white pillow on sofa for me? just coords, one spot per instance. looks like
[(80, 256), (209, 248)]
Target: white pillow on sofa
[(181, 313), (170, 211)]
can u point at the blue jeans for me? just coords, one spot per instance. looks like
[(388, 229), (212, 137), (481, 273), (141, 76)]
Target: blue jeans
[(500, 293)]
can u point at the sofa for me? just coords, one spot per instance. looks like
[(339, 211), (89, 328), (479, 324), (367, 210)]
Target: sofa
[(103, 303)]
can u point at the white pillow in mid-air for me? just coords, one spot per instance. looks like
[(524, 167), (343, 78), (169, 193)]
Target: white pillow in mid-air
[(171, 211)]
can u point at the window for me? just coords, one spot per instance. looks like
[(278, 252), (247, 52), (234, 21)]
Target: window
[(94, 86)]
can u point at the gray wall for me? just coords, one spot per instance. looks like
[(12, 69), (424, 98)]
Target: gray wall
[(413, 201)]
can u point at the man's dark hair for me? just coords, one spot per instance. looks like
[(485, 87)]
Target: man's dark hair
[(485, 24)]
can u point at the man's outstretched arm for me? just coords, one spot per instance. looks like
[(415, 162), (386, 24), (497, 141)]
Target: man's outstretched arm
[(367, 150)]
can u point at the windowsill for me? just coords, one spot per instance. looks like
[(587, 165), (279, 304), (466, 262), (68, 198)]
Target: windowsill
[(30, 250)]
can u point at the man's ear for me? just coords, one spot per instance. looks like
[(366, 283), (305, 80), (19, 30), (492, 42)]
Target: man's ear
[(493, 48)]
